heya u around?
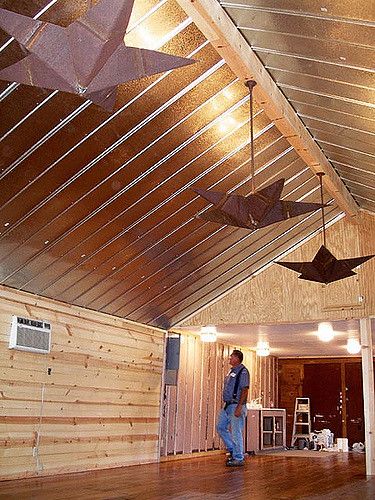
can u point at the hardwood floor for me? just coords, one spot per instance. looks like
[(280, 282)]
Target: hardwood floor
[(263, 477)]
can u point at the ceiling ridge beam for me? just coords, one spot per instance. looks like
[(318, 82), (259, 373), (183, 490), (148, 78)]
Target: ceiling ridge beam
[(218, 28)]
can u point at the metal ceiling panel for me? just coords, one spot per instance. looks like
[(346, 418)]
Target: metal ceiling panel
[(305, 110), (322, 58), (196, 297), (97, 209), (355, 174), (319, 100)]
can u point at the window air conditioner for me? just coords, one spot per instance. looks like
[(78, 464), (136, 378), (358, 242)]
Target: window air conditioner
[(30, 335)]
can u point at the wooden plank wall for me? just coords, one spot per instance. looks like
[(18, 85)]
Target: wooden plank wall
[(291, 300), (98, 408), (191, 408)]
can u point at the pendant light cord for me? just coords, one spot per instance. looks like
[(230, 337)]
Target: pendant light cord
[(251, 84), (320, 175)]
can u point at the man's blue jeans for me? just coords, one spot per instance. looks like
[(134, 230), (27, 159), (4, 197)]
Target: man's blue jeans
[(233, 438)]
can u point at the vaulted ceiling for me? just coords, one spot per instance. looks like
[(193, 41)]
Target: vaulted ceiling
[(97, 208)]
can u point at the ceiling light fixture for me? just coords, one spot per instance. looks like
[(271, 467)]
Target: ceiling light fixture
[(263, 348), (353, 346), (325, 332), (208, 333)]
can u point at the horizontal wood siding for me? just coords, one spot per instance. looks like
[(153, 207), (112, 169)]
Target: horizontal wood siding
[(99, 406)]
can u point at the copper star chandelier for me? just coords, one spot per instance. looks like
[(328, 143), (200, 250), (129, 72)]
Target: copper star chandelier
[(260, 208), (88, 58), (325, 268)]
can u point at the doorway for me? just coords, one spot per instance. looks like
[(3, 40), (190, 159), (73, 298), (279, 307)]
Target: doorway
[(334, 386)]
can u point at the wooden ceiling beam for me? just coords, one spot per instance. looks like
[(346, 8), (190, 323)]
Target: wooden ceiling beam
[(217, 27)]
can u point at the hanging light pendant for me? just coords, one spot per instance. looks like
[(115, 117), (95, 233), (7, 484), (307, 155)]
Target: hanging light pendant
[(325, 268), (261, 208)]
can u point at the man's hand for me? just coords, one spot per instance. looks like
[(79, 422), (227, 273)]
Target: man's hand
[(238, 411), (241, 402)]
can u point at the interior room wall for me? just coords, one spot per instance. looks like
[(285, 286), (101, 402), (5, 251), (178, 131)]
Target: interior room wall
[(100, 405), (190, 407), (277, 295), (337, 389)]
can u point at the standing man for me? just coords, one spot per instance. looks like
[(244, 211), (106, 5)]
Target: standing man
[(236, 388)]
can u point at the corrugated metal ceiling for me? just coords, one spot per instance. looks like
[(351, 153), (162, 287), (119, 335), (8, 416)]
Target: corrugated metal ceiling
[(96, 208)]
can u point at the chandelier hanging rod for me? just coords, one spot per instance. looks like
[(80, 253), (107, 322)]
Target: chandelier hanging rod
[(320, 175), (250, 84)]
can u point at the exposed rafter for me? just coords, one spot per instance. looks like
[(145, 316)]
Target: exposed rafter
[(218, 28)]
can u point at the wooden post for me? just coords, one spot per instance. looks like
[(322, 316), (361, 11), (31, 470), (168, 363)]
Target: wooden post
[(368, 393)]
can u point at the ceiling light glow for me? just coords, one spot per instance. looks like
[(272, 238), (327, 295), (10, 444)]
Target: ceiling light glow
[(208, 333), (149, 40), (227, 93), (263, 348), (325, 332), (227, 123), (353, 346)]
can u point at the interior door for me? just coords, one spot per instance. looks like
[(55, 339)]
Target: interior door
[(322, 384), (354, 403)]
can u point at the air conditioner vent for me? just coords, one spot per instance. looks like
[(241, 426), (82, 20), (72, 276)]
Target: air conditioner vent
[(30, 335)]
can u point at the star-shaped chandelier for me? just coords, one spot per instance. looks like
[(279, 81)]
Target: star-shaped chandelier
[(88, 58), (325, 268), (261, 208)]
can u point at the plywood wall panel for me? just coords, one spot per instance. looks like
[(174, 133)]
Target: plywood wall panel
[(171, 418), (189, 397), (277, 295), (181, 397), (367, 279), (92, 402), (205, 396), (196, 397), (210, 395), (219, 389)]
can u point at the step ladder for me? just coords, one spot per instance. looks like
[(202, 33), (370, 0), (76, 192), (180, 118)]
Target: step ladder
[(302, 421)]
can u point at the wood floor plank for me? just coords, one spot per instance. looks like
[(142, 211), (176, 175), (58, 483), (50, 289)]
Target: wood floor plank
[(264, 477)]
